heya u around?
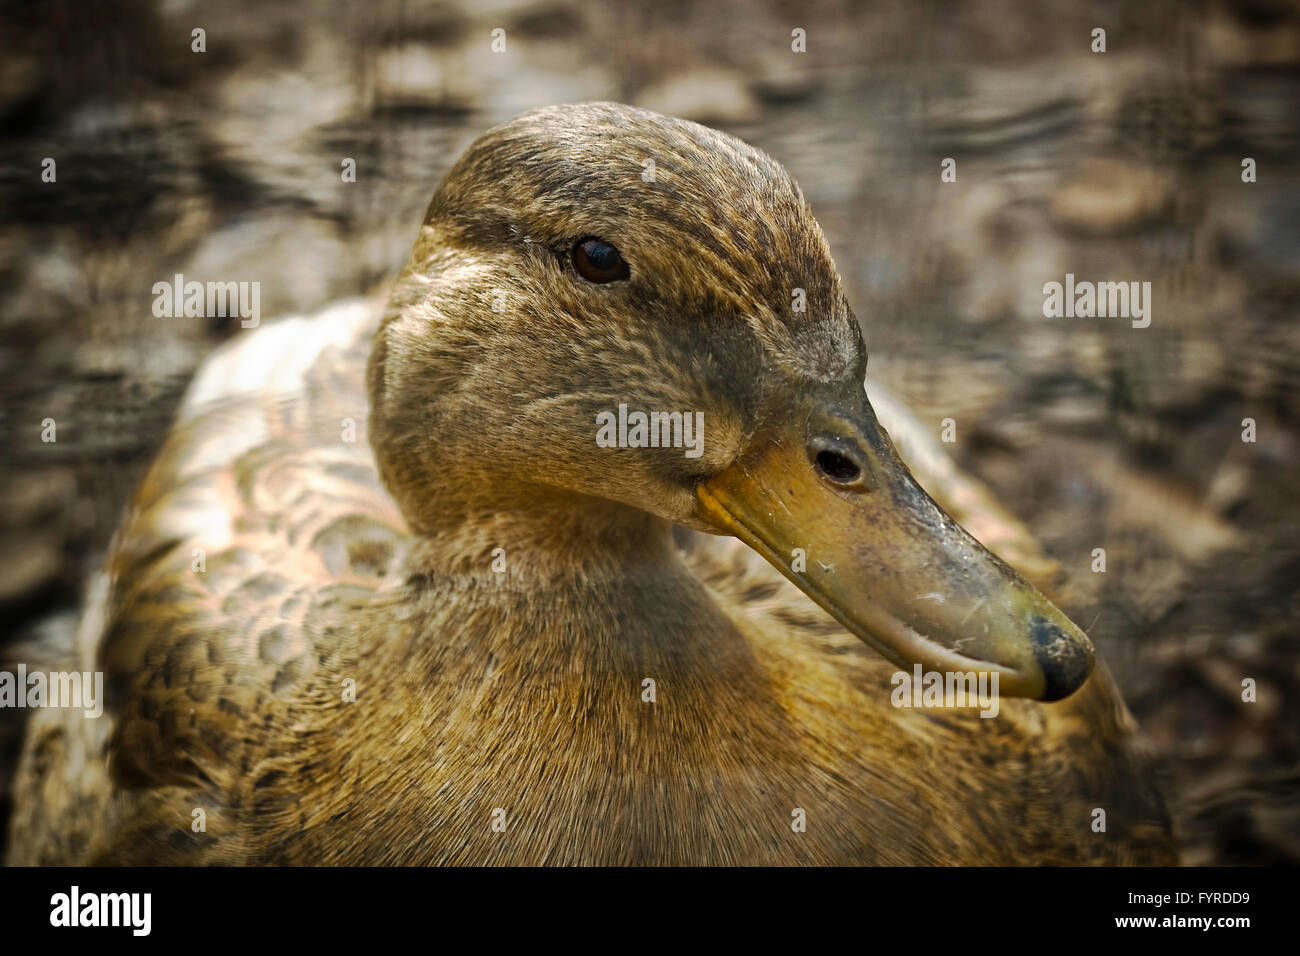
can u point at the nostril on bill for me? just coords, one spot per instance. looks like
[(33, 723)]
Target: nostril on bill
[(1065, 662), (837, 468)]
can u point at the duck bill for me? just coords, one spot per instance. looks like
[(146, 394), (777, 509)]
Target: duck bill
[(829, 503)]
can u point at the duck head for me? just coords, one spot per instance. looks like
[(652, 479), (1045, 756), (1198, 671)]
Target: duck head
[(583, 264)]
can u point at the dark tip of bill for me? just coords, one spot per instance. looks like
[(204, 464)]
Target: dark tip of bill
[(1065, 662)]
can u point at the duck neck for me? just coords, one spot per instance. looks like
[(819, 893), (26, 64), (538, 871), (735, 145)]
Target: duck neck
[(601, 583), (555, 540)]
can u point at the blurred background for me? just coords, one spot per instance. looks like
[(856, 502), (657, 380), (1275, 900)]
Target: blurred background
[(1123, 165)]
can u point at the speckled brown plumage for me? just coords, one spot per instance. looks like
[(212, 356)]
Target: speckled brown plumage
[(331, 561)]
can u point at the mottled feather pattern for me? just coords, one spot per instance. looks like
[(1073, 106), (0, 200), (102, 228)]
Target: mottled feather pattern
[(263, 485)]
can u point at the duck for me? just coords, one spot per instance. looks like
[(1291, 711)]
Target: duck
[(584, 546)]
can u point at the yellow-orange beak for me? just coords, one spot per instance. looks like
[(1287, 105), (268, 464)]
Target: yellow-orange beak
[(884, 559)]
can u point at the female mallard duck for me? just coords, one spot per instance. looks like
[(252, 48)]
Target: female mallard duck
[(495, 636)]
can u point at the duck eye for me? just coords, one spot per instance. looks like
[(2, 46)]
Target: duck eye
[(598, 261)]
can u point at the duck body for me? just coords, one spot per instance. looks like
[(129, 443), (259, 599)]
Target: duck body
[(329, 654)]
